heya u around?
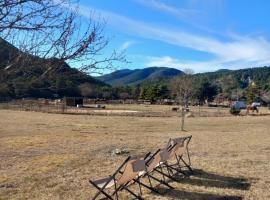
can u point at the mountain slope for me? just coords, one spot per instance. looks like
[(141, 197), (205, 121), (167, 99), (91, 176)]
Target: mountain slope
[(258, 74), (137, 76), (24, 75)]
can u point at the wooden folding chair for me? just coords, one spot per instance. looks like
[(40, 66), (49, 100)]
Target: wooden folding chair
[(122, 177), (181, 149), (155, 163)]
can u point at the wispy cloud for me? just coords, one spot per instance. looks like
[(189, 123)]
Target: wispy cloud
[(126, 45), (163, 61), (181, 13), (198, 66), (241, 50), (167, 61), (217, 5), (187, 15)]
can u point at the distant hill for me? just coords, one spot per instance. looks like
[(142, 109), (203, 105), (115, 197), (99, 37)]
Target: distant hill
[(137, 76), (257, 74), (231, 81), (222, 70), (24, 75)]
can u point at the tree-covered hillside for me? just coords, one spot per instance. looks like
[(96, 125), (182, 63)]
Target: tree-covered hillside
[(23, 75), (238, 84), (252, 84), (137, 76)]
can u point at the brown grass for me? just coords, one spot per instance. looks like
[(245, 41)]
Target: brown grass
[(52, 156)]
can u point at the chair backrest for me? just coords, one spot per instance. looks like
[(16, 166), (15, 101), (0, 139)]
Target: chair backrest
[(154, 161), (161, 155), (132, 169), (181, 144)]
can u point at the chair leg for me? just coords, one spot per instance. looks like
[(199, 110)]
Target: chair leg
[(100, 191), (161, 182), (133, 194), (116, 191), (178, 162), (189, 161), (168, 176), (188, 166), (140, 188), (175, 169), (149, 180), (149, 187), (163, 176)]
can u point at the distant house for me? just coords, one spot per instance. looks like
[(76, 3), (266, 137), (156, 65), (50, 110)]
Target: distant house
[(73, 101)]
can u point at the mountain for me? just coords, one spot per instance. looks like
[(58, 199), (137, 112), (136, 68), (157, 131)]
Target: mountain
[(257, 74), (223, 70), (137, 76), (250, 84), (25, 75)]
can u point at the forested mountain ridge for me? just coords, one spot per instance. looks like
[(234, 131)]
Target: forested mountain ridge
[(137, 76), (240, 78), (24, 75)]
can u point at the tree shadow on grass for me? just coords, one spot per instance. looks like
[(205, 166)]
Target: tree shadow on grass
[(206, 179), (178, 194)]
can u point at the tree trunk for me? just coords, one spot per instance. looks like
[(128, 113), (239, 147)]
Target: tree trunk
[(183, 119)]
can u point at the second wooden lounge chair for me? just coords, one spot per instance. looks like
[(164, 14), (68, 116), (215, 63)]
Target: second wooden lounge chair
[(123, 176), (181, 149), (155, 163)]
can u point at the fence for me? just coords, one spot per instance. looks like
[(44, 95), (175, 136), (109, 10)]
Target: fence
[(120, 109), (34, 106)]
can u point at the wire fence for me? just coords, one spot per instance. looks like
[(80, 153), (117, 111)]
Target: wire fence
[(50, 106), (35, 107)]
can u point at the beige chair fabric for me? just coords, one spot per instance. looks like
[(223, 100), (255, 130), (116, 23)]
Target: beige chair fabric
[(132, 170)]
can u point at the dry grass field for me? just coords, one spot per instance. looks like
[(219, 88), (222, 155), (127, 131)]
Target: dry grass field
[(52, 156)]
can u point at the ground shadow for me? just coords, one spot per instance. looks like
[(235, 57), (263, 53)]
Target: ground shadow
[(206, 179), (178, 194)]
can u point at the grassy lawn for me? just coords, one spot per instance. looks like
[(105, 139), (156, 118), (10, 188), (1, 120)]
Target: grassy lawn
[(52, 156)]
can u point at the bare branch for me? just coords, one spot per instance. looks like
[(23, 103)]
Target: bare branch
[(48, 30)]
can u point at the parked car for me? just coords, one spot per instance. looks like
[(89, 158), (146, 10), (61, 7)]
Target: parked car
[(239, 105)]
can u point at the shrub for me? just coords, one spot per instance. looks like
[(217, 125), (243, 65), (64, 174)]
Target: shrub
[(234, 111)]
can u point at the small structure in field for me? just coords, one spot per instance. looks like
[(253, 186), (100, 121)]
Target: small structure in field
[(175, 109), (100, 106), (73, 101), (168, 102)]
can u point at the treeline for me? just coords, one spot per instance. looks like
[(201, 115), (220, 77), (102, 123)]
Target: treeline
[(247, 84), (252, 84), (42, 79), (151, 92)]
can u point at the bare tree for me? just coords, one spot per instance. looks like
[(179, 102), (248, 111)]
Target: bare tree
[(184, 88), (54, 30)]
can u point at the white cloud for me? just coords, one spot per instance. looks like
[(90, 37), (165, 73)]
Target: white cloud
[(164, 61), (180, 13), (241, 50), (188, 15), (167, 61), (198, 66), (126, 45)]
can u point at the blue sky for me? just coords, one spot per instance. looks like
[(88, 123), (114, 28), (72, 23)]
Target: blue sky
[(204, 35)]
